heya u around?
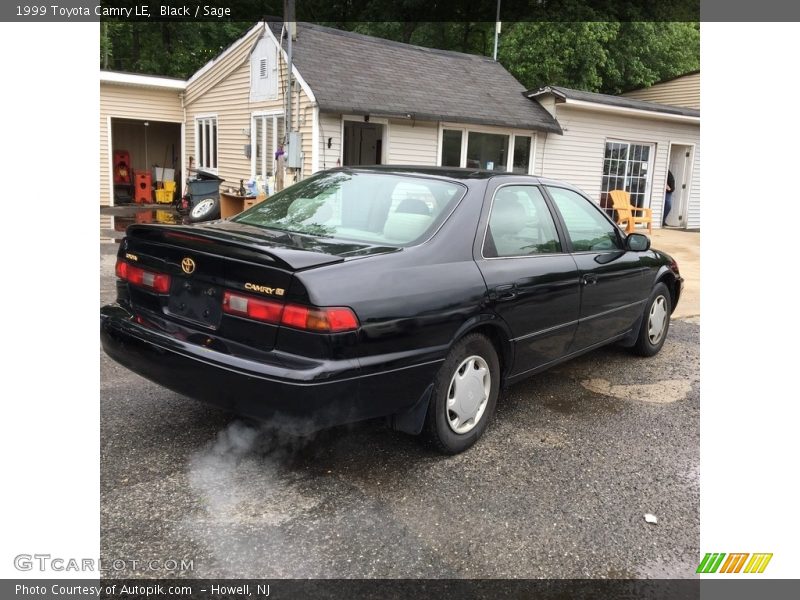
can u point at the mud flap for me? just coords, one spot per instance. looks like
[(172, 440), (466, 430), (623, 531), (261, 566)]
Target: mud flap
[(412, 420)]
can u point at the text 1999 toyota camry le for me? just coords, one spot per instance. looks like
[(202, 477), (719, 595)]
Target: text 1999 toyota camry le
[(407, 293)]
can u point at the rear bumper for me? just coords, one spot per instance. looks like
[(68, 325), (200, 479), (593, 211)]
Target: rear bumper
[(291, 392)]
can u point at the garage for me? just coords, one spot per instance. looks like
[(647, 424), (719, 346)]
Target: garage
[(141, 144)]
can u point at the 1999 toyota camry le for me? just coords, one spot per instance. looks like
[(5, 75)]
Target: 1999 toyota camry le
[(408, 293)]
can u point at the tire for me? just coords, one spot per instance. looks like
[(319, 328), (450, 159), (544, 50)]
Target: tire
[(447, 430), (655, 322), (206, 209)]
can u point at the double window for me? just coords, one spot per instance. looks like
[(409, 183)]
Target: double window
[(206, 142), (490, 151), (268, 132)]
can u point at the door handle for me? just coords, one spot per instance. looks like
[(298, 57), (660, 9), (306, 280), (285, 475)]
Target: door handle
[(503, 293), (589, 279)]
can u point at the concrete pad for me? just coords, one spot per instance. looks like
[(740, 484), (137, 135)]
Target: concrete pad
[(683, 246)]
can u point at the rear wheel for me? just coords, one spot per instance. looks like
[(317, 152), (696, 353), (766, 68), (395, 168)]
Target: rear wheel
[(206, 209), (655, 322), (464, 395)]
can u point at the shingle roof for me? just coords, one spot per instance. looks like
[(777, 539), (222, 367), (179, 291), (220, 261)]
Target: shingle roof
[(358, 74), (620, 101)]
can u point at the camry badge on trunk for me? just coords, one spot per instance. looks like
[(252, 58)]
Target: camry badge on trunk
[(187, 264)]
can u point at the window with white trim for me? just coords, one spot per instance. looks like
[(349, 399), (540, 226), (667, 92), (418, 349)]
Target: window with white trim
[(482, 149), (627, 166), (206, 143), (268, 133)]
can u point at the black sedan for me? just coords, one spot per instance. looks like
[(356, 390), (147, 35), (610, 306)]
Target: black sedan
[(407, 293)]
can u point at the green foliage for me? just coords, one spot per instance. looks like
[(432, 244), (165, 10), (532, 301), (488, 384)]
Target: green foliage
[(174, 48), (592, 55), (597, 56)]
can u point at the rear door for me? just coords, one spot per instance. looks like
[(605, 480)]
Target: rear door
[(532, 281), (612, 281)]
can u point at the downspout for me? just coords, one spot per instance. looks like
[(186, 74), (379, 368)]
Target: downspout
[(544, 148)]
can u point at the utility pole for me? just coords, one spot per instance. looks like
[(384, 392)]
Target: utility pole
[(288, 23), (496, 30)]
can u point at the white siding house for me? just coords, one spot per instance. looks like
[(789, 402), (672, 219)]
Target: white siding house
[(610, 142), (359, 100)]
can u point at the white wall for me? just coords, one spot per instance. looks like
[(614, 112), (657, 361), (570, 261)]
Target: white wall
[(577, 156)]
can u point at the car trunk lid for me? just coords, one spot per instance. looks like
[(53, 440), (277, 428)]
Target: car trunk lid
[(204, 262)]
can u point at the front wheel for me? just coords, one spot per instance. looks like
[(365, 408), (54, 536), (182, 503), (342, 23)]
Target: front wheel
[(206, 209), (464, 395), (655, 322)]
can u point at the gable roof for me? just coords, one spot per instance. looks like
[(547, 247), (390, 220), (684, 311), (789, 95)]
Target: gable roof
[(566, 94), (353, 73)]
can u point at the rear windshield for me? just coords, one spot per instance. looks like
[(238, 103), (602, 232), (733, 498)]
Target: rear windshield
[(381, 208)]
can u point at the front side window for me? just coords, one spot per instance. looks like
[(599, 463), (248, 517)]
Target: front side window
[(520, 224), (386, 209), (587, 227), (206, 143)]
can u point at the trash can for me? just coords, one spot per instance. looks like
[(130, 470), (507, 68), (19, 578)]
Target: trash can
[(204, 196), (204, 185)]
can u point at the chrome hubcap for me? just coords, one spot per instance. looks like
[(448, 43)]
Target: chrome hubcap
[(468, 394), (657, 322), (203, 207)]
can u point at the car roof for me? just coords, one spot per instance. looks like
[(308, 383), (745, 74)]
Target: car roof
[(454, 173)]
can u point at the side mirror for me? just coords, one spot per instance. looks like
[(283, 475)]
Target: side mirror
[(637, 242)]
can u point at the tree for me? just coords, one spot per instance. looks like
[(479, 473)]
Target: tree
[(171, 48), (592, 55)]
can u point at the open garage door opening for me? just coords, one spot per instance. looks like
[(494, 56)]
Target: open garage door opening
[(144, 155)]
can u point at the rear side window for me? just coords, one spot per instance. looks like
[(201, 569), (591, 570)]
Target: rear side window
[(379, 208), (520, 224), (587, 227)]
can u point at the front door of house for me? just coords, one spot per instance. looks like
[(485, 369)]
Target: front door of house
[(362, 143)]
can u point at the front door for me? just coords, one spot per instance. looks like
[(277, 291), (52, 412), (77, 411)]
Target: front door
[(613, 286), (532, 282), (680, 164), (363, 143)]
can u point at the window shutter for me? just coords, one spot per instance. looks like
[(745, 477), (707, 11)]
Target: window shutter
[(263, 72)]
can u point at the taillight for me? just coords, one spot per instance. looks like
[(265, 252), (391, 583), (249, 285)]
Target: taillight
[(334, 319), (157, 282), (325, 320), (252, 308)]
